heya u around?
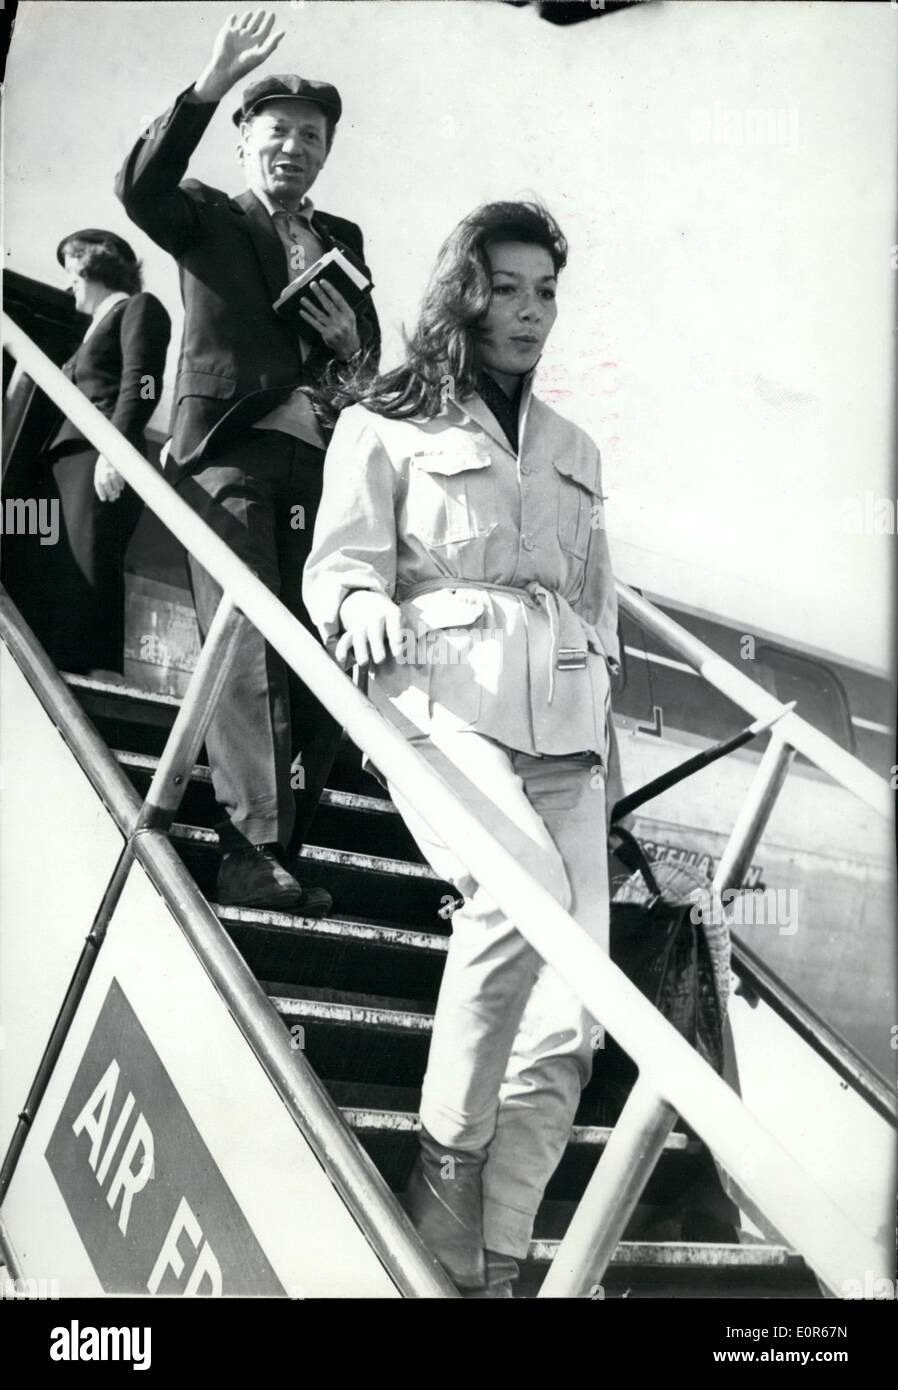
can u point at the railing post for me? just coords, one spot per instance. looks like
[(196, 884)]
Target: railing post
[(754, 814), (636, 1143), (735, 862), (646, 1120), (189, 729)]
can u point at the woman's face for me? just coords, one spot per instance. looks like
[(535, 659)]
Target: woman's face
[(514, 329), (77, 283)]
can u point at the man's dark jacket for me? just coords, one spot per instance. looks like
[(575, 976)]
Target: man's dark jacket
[(238, 358)]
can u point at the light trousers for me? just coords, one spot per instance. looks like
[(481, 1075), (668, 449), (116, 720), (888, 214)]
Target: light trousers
[(267, 723), (512, 1046)]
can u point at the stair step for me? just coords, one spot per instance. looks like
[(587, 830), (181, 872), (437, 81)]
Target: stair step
[(685, 1269), (126, 714), (339, 1014), (121, 691), (342, 928), (370, 886), (676, 1253), (348, 953), (389, 1137), (320, 854), (348, 1039), (344, 819), (406, 1122), (129, 716), (145, 762), (348, 801), (339, 978)]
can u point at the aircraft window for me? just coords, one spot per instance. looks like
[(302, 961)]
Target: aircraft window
[(820, 697)]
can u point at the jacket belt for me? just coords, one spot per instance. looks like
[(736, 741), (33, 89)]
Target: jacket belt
[(561, 658)]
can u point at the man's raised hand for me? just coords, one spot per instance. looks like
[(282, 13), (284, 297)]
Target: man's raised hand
[(242, 43)]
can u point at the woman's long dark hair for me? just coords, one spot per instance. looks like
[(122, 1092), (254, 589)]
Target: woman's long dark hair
[(441, 354)]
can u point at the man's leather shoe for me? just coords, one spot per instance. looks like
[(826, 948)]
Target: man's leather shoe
[(317, 901), (445, 1202), (254, 877)]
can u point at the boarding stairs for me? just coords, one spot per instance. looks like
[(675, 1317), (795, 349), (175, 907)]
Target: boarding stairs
[(358, 990), (352, 996)]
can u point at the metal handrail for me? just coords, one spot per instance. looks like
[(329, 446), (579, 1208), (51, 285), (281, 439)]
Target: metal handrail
[(806, 1215), (365, 1193), (842, 767)]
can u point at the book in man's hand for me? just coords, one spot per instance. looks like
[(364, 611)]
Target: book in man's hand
[(339, 272)]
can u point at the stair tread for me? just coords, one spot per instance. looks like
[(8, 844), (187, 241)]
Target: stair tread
[(332, 994), (320, 854), (384, 1116), (331, 796), (344, 928), (347, 1012), (146, 762), (122, 691), (684, 1253), (368, 1120)]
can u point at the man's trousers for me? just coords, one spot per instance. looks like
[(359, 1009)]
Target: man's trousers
[(512, 1047), (271, 743)]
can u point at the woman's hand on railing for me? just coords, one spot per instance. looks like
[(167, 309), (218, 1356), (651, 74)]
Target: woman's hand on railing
[(371, 623)]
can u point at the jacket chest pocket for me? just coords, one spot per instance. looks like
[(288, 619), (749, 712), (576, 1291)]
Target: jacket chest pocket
[(577, 503), (451, 496)]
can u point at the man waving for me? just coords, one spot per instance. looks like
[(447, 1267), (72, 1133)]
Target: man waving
[(246, 450)]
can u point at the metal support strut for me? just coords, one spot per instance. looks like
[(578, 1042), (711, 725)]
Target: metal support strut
[(172, 776)]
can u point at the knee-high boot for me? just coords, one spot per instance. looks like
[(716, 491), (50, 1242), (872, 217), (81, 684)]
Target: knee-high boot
[(445, 1202)]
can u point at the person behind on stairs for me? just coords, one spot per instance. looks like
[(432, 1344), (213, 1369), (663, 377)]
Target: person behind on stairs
[(460, 553), (73, 593), (246, 449)]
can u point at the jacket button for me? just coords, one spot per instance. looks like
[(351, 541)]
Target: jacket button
[(528, 543)]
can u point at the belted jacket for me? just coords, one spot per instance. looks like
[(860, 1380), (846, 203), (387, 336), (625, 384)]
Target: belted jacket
[(499, 560)]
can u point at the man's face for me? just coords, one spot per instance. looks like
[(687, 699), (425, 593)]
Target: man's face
[(284, 148)]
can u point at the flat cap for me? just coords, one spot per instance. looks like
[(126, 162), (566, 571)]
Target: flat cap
[(287, 84), (96, 236)]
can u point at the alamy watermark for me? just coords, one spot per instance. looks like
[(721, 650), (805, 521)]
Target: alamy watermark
[(28, 1288), (749, 907), (30, 516), (771, 127), (871, 1286), (424, 646), (869, 515)]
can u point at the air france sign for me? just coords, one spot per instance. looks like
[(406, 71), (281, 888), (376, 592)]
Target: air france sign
[(150, 1204)]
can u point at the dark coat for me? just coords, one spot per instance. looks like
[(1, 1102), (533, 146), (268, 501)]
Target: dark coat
[(236, 352), (120, 369)]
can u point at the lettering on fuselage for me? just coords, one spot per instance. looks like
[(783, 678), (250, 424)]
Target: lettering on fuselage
[(657, 852)]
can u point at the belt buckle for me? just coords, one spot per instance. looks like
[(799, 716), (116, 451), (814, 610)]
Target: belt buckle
[(571, 659)]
